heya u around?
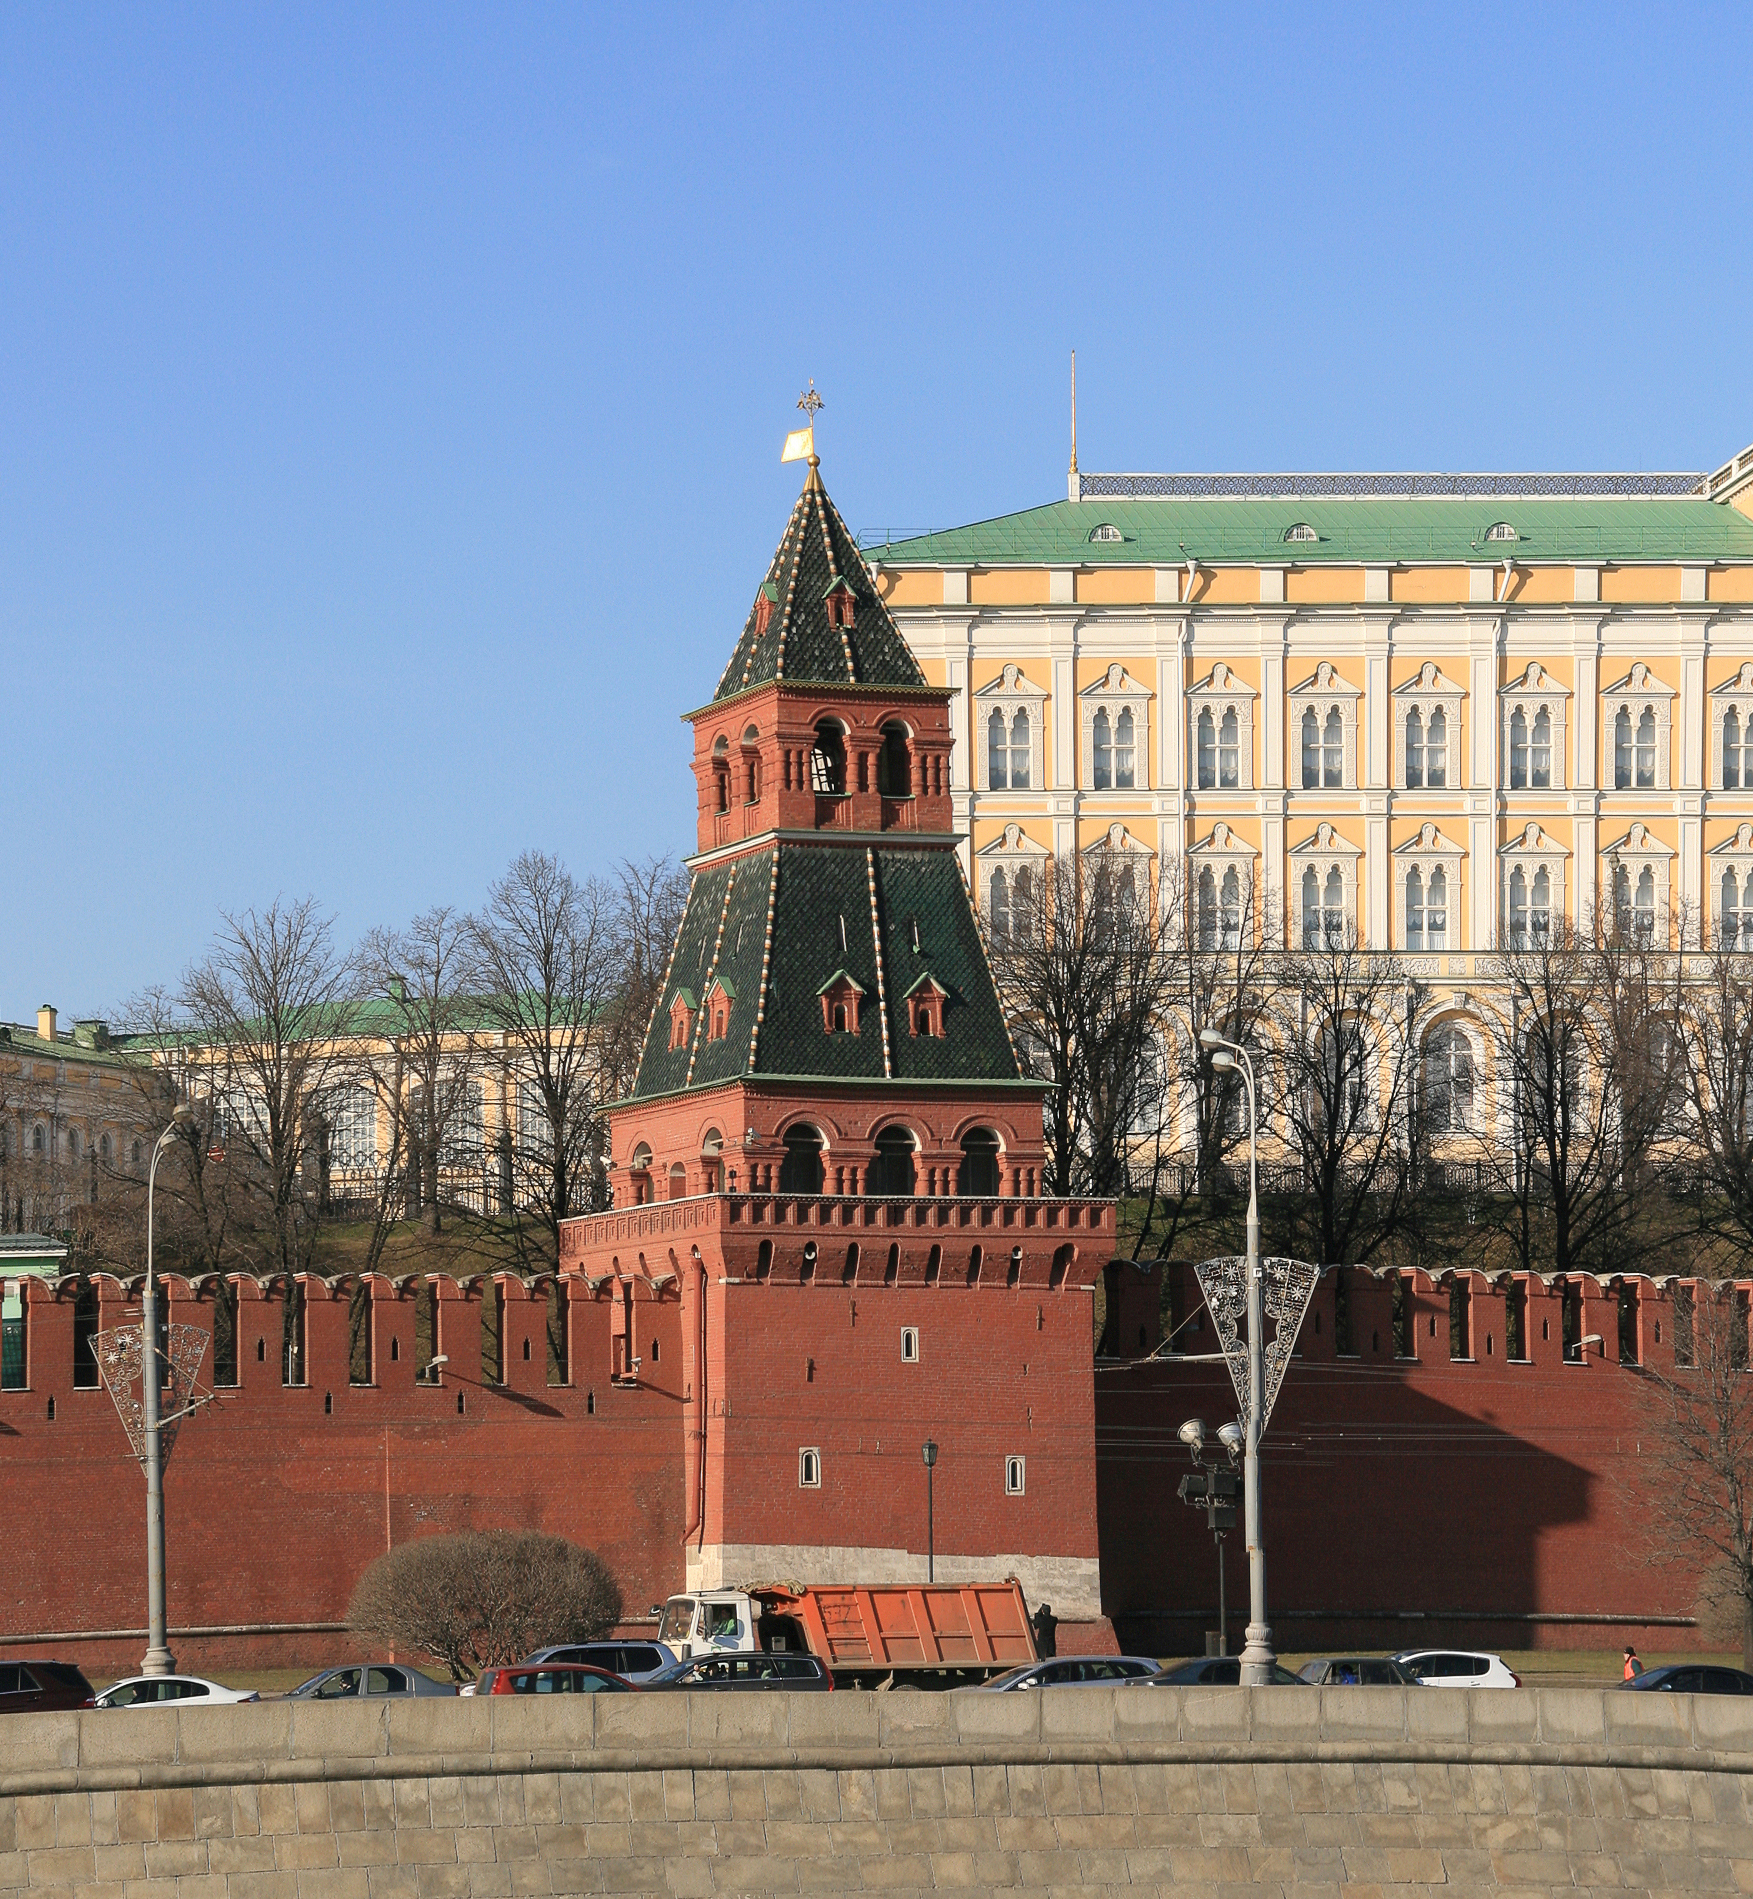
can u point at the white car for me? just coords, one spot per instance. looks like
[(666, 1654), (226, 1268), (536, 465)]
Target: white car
[(1458, 1668), (153, 1691)]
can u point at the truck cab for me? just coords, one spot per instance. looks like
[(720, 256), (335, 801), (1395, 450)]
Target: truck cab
[(710, 1622)]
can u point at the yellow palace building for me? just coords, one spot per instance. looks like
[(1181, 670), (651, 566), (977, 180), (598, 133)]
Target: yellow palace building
[(1448, 708)]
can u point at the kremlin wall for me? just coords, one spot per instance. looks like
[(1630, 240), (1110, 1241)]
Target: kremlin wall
[(828, 1245)]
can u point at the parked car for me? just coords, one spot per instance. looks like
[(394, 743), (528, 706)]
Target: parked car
[(31, 1687), (1691, 1678), (1070, 1671), (150, 1691), (1217, 1671), (632, 1661), (802, 1674), (1352, 1671), (1458, 1668), (377, 1678), (552, 1678)]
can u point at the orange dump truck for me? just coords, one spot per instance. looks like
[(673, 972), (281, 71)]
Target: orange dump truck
[(869, 1634)]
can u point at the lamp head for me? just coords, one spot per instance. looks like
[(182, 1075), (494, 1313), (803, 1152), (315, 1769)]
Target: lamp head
[(929, 1452), (1223, 1061), (1232, 1437), (1192, 1434), (1209, 1038), (183, 1114)]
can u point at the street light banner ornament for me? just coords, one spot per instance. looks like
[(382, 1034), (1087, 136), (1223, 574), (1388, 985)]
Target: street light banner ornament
[(118, 1365), (1287, 1285)]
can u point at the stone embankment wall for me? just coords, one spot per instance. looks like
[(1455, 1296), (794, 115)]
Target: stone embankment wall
[(1078, 1790)]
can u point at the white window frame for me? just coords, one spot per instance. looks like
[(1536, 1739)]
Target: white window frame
[(1220, 692), (1637, 852), (1119, 843), (1536, 689), (1736, 854), (1016, 1476), (1531, 852), (1638, 690), (1012, 850), (909, 1345), (1736, 692), (1221, 853), (1011, 690), (353, 1110), (1323, 852), (1429, 851), (1431, 692), (1115, 692), (809, 1468), (1324, 693)]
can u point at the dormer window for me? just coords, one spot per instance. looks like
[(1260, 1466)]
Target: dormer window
[(1501, 531), (765, 601), (1106, 531), (925, 1002), (840, 603), (719, 997), (841, 996), (682, 1012), (1300, 531)]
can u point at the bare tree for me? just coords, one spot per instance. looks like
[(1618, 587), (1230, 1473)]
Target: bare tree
[(1590, 1061), (1083, 978), (1217, 964), (482, 1598), (420, 1058), (650, 898), (547, 975), (1700, 1465), (1347, 1079), (1715, 1024), (267, 1018)]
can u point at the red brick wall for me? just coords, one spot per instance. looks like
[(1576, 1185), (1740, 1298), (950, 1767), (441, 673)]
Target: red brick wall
[(274, 1504), (1491, 1498)]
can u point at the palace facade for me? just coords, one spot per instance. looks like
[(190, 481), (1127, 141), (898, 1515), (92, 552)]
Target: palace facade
[(1448, 709)]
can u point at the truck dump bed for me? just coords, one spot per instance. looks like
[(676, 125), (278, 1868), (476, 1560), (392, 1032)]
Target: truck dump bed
[(982, 1626)]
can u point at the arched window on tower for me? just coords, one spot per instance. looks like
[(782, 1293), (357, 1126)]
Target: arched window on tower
[(978, 1174), (801, 1170), (721, 773), (828, 759), (895, 762), (892, 1170)]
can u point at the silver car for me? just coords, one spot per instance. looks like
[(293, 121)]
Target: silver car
[(371, 1678), (1071, 1671)]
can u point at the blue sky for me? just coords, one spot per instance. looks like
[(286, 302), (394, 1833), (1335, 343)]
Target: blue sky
[(392, 398)]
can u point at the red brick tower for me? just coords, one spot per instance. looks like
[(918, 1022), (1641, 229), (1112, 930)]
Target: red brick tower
[(830, 1156)]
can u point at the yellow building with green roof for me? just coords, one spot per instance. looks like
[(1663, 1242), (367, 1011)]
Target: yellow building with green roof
[(1453, 706)]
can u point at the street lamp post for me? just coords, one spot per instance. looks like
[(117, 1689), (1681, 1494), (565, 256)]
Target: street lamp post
[(929, 1453), (1258, 1659), (158, 1659)]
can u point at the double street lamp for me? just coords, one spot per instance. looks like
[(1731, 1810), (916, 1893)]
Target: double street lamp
[(1258, 1660)]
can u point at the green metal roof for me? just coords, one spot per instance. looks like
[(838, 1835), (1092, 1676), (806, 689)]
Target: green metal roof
[(1352, 531)]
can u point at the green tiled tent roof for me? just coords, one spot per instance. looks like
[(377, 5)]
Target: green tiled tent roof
[(1349, 530), (798, 643), (835, 909)]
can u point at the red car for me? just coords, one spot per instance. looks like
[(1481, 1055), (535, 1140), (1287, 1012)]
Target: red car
[(32, 1686), (551, 1678)]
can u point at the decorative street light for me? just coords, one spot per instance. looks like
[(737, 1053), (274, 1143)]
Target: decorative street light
[(1257, 1656), (929, 1453), (158, 1659)]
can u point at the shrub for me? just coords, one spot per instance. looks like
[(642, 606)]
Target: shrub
[(481, 1598)]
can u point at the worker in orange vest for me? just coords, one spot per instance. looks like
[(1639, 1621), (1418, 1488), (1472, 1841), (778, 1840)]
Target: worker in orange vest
[(1633, 1667)]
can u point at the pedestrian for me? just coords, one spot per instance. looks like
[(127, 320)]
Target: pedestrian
[(1633, 1667), (1046, 1623)]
